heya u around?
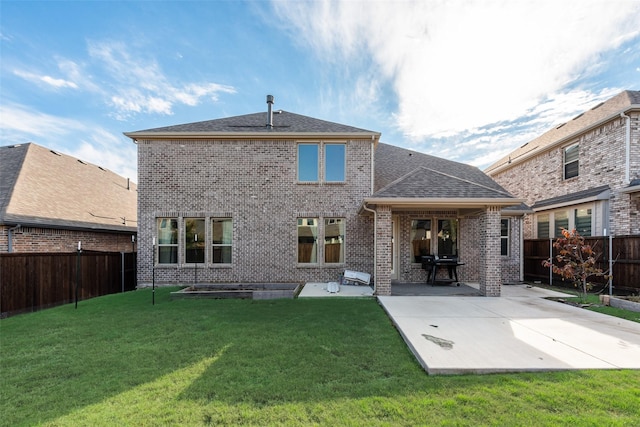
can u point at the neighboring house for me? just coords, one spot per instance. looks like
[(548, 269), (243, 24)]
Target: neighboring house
[(583, 174), (281, 197), (51, 201)]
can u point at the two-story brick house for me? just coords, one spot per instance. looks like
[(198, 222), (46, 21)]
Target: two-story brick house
[(280, 197), (582, 174)]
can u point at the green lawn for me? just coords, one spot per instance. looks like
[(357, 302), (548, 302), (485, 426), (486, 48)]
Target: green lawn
[(118, 360)]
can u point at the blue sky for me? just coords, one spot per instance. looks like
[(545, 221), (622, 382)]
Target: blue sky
[(465, 80)]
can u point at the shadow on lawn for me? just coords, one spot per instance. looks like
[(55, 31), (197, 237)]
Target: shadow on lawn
[(119, 358)]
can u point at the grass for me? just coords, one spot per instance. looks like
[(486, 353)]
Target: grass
[(118, 360), (596, 305)]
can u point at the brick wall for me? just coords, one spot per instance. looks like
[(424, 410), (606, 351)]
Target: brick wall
[(490, 263), (255, 183), (601, 162), (383, 250), (32, 239)]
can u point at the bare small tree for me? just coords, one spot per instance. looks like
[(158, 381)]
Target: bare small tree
[(576, 260)]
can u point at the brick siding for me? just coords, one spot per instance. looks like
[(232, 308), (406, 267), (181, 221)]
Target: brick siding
[(255, 183), (601, 162), (32, 239)]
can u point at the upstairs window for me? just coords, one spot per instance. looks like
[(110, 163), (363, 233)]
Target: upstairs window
[(334, 162), (332, 157), (308, 163), (571, 161)]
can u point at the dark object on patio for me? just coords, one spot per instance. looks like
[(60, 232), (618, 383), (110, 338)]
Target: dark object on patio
[(430, 264)]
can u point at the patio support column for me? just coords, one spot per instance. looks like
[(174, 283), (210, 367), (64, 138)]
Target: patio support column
[(383, 250), (490, 274)]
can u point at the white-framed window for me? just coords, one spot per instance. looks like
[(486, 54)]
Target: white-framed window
[(570, 161), (579, 218), (221, 240), (505, 228), (583, 221), (308, 240), (167, 231), (542, 226), (332, 157)]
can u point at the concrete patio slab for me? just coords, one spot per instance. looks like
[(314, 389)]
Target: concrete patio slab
[(319, 289), (518, 332)]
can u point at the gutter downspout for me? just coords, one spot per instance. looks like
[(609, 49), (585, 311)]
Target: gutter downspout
[(375, 245), (372, 162), (627, 141), (10, 238)]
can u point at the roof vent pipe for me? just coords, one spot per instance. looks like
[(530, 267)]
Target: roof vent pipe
[(270, 111)]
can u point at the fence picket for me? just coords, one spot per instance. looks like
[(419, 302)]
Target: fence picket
[(33, 281)]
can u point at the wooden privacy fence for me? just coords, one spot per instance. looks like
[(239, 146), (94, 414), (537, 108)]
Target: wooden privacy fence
[(625, 252), (33, 281)]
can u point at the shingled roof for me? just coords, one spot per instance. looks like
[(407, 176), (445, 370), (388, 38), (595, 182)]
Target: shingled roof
[(402, 173), (43, 188), (283, 123), (583, 122)]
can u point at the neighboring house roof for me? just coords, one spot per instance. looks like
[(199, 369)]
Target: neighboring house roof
[(284, 123), (406, 174), (562, 133), (598, 193), (43, 188)]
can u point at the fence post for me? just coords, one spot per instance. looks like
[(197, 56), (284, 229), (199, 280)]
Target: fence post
[(78, 272), (122, 255), (550, 261), (610, 265)]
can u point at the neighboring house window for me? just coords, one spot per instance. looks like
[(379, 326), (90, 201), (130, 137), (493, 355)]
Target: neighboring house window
[(579, 219), (307, 240), (583, 222), (221, 239), (334, 240), (194, 239), (447, 237), (308, 161), (571, 161), (543, 226), (167, 241), (334, 162), (420, 239), (561, 220), (504, 237)]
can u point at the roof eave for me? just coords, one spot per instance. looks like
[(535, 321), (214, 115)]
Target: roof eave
[(412, 202), (135, 136), (538, 150), (631, 190)]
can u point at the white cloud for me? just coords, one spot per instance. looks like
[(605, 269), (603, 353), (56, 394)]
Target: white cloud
[(460, 65), (20, 120), (56, 83), (99, 146), (139, 84)]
